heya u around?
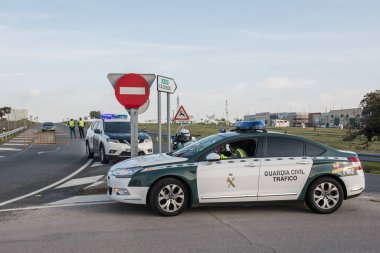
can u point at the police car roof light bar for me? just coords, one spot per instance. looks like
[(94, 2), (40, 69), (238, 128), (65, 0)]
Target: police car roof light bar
[(250, 126)]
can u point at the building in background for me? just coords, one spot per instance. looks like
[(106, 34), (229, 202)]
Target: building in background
[(345, 117), (17, 114)]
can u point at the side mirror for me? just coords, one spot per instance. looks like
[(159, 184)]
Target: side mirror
[(97, 131), (212, 157)]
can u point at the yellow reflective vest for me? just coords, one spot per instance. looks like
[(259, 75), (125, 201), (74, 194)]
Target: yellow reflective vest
[(81, 123), (71, 123)]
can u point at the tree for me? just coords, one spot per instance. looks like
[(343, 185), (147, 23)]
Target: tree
[(5, 110), (371, 114), (95, 114)]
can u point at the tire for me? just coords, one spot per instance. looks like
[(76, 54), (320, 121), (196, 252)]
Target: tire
[(103, 157), (89, 154), (169, 197), (325, 195)]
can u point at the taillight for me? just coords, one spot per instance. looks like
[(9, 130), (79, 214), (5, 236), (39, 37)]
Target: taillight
[(355, 162)]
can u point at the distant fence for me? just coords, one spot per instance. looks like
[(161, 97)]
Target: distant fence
[(5, 135)]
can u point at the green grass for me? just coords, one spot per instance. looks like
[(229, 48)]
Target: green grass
[(371, 167), (329, 136)]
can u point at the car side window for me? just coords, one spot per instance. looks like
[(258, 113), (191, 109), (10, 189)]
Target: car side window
[(314, 150), (284, 147), (237, 149)]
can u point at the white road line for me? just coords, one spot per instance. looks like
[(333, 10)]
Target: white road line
[(1, 156), (19, 141), (94, 184), (49, 186), (82, 199), (56, 206), (14, 144), (11, 149), (96, 164), (80, 181), (50, 151)]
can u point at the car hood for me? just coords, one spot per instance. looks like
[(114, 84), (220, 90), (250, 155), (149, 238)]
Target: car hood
[(126, 136), (148, 160)]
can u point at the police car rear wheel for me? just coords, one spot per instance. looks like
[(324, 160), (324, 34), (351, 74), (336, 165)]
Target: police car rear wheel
[(325, 195), (103, 158), (89, 154), (168, 197)]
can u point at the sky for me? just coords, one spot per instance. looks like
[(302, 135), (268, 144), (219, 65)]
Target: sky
[(305, 56)]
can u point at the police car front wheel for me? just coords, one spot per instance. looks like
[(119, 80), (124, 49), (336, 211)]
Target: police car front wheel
[(325, 195), (169, 197)]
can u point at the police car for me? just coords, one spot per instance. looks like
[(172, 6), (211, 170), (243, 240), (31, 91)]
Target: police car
[(277, 167), (110, 137)]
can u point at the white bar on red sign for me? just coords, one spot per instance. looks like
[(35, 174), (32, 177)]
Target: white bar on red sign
[(132, 91)]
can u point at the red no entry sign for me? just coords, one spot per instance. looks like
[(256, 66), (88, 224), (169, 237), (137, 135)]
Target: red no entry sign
[(132, 91)]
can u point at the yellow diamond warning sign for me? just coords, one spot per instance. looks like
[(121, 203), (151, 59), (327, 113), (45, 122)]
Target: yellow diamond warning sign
[(181, 114)]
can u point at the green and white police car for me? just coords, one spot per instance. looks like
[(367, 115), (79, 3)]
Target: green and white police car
[(276, 167)]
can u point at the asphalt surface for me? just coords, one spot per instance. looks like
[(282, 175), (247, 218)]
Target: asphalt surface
[(105, 226)]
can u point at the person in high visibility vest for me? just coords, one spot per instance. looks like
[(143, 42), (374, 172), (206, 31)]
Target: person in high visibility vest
[(71, 125), (236, 152), (81, 128)]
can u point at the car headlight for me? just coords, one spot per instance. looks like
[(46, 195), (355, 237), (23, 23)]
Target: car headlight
[(126, 172), (113, 140), (148, 140)]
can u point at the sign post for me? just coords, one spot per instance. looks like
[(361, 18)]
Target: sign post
[(132, 91), (167, 85)]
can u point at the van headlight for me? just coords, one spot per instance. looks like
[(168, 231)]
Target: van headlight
[(126, 172), (112, 140)]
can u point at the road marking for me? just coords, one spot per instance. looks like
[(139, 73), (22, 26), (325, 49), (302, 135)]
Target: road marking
[(1, 156), (132, 91), (14, 144), (56, 206), (96, 164), (80, 181), (19, 141), (82, 199), (49, 186), (11, 149), (44, 152), (94, 184)]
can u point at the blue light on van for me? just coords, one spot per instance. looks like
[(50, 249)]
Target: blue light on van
[(114, 116)]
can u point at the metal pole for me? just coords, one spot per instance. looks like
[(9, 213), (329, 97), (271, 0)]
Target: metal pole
[(159, 122), (168, 121), (134, 130)]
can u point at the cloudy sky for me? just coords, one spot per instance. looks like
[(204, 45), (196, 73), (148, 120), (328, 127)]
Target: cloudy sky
[(259, 55)]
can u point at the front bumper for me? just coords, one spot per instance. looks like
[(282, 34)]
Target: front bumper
[(119, 191), (114, 150)]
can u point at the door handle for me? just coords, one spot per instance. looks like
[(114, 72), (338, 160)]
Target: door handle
[(302, 162), (251, 165)]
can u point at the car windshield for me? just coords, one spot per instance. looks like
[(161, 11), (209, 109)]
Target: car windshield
[(197, 146), (117, 127), (48, 124)]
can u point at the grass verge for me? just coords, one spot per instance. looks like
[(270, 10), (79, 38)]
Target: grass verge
[(371, 167)]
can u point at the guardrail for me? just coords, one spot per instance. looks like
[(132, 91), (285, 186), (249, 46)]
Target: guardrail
[(6, 134)]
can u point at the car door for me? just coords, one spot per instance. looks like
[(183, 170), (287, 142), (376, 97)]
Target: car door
[(230, 180), (284, 169), (96, 137)]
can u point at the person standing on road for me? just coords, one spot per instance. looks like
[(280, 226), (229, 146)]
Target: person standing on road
[(72, 128), (81, 128)]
